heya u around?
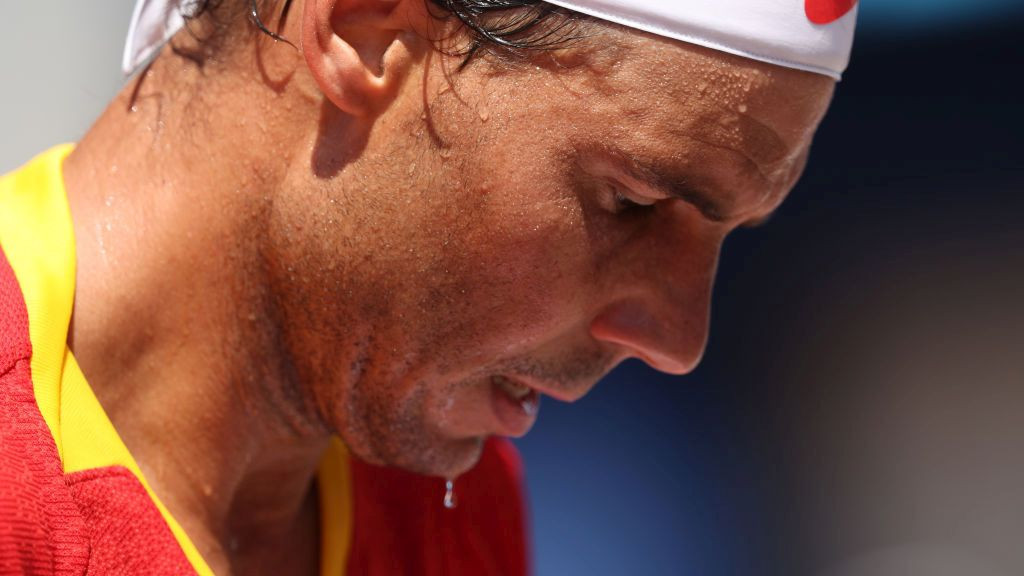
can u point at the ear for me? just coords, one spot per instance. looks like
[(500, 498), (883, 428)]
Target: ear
[(358, 50)]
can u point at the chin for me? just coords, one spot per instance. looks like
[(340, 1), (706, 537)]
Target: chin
[(444, 459), (449, 459)]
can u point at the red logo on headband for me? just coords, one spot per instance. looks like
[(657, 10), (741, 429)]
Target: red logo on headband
[(827, 11)]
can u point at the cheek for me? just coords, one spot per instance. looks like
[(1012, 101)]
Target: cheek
[(517, 256), (521, 249), (512, 279)]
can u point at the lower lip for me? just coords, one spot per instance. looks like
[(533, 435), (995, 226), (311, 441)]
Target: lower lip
[(515, 417)]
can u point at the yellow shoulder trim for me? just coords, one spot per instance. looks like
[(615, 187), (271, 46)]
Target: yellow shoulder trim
[(334, 485), (36, 221)]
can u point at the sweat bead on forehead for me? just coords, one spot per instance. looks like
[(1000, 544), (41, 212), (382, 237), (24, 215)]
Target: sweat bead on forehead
[(812, 35)]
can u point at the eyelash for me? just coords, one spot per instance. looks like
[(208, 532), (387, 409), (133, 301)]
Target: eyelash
[(624, 203)]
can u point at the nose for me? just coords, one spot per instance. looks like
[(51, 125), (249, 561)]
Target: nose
[(661, 310), (668, 336)]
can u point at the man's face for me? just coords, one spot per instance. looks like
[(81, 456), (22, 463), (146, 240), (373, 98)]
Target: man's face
[(508, 230)]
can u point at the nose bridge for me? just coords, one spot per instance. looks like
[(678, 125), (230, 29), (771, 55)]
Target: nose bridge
[(660, 311), (681, 301)]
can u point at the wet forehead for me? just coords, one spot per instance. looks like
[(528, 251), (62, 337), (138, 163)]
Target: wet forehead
[(690, 86), (748, 125)]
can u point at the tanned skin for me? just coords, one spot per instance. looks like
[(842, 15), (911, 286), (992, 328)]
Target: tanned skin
[(354, 237)]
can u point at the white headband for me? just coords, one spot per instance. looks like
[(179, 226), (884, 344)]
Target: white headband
[(813, 35), (153, 24)]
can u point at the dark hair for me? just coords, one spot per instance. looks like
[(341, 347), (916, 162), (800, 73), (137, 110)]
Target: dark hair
[(512, 26), (504, 27)]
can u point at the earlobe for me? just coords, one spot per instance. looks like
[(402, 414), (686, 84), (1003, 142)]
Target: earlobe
[(355, 51)]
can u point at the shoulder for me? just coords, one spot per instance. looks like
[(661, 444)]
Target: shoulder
[(40, 526), (36, 510)]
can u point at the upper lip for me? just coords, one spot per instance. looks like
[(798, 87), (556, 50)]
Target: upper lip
[(565, 394)]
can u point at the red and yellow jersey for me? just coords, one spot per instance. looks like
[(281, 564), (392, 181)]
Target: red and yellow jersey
[(74, 501)]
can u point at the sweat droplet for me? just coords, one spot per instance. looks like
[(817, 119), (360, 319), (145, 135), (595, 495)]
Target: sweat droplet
[(449, 494), (483, 112)]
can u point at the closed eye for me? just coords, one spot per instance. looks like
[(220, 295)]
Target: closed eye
[(625, 202)]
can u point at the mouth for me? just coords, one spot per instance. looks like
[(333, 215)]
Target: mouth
[(515, 405)]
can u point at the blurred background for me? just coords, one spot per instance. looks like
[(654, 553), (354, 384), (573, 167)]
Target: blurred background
[(860, 410)]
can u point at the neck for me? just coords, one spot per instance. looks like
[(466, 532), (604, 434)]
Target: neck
[(173, 325)]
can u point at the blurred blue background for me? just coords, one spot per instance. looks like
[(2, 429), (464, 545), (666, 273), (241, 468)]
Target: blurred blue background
[(901, 16), (861, 405)]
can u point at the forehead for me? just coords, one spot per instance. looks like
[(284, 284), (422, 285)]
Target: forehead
[(690, 80), (748, 124)]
